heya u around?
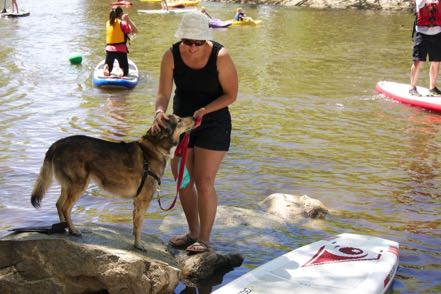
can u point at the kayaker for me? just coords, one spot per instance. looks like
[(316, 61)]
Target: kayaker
[(240, 15), (118, 27), (206, 83)]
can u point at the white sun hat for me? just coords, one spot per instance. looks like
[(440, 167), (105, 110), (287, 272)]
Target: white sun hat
[(194, 26)]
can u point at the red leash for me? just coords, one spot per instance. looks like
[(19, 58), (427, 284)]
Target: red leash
[(181, 150)]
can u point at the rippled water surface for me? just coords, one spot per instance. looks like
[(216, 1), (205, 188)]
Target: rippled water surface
[(307, 121)]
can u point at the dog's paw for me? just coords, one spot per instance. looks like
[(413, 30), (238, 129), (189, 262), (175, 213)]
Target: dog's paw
[(140, 247)]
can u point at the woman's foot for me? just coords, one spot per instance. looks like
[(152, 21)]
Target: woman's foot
[(106, 72), (199, 247), (182, 241)]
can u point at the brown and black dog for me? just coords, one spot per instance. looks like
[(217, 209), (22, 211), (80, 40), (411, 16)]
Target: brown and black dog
[(131, 170)]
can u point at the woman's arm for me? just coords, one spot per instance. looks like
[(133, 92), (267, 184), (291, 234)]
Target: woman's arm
[(229, 82)]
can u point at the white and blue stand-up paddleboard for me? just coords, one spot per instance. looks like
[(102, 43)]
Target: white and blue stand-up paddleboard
[(114, 80), (347, 263), (400, 92)]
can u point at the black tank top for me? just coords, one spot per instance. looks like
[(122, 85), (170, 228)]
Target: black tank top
[(195, 88)]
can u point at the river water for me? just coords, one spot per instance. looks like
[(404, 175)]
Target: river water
[(307, 121)]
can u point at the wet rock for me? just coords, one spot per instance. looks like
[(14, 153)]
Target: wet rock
[(203, 266), (101, 260), (292, 207)]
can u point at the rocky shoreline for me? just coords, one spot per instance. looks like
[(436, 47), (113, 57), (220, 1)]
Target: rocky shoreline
[(393, 5)]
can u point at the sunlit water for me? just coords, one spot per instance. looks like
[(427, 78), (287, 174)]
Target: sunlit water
[(307, 121)]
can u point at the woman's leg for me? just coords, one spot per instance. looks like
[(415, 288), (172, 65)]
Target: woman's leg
[(108, 63), (123, 60), (14, 4), (205, 166), (188, 196)]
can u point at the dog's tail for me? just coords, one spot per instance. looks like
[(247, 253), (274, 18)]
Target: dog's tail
[(44, 179)]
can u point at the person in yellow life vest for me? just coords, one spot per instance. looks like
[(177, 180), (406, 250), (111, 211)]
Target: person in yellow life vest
[(118, 27)]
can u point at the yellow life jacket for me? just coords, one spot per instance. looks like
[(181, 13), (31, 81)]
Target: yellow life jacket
[(115, 34)]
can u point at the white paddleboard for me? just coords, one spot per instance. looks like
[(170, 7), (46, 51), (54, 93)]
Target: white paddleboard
[(400, 92), (163, 11), (347, 263), (9, 13)]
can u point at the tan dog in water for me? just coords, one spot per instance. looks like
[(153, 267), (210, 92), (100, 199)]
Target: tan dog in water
[(130, 170)]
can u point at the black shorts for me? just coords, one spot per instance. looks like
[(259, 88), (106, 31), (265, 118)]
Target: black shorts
[(426, 45), (123, 60), (214, 133)]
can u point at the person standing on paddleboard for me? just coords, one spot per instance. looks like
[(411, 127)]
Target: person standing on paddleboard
[(426, 42), (118, 27), (206, 84)]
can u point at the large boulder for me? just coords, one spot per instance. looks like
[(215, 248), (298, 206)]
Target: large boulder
[(102, 260)]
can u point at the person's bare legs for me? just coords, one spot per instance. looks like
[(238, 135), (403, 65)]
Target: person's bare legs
[(106, 71), (200, 204), (188, 197), (414, 71), (14, 4), (433, 73), (206, 164)]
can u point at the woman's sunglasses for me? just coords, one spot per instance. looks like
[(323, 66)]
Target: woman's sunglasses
[(197, 43)]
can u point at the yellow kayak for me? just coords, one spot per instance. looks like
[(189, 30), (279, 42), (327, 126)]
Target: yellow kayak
[(183, 3), (246, 22)]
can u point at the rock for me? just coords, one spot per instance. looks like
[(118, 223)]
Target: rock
[(101, 260), (203, 266), (291, 207)]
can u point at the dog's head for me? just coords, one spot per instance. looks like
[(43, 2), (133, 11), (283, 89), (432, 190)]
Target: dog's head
[(168, 137)]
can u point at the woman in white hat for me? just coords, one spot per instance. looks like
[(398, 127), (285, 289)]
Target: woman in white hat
[(206, 83)]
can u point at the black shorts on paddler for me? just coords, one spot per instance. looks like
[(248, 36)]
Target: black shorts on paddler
[(426, 46)]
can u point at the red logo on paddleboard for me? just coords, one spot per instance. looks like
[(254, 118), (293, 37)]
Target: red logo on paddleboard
[(335, 253), (394, 250)]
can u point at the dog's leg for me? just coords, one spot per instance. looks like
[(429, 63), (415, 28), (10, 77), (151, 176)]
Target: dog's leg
[(60, 204), (73, 194), (140, 206)]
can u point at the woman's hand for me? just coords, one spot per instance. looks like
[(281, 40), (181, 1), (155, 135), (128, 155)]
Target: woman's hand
[(198, 114), (158, 121)]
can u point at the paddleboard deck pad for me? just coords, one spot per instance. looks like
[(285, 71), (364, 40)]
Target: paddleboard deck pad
[(400, 92), (347, 263), (114, 81)]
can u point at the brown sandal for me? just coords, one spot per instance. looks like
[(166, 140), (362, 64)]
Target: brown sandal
[(199, 247), (182, 241)]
